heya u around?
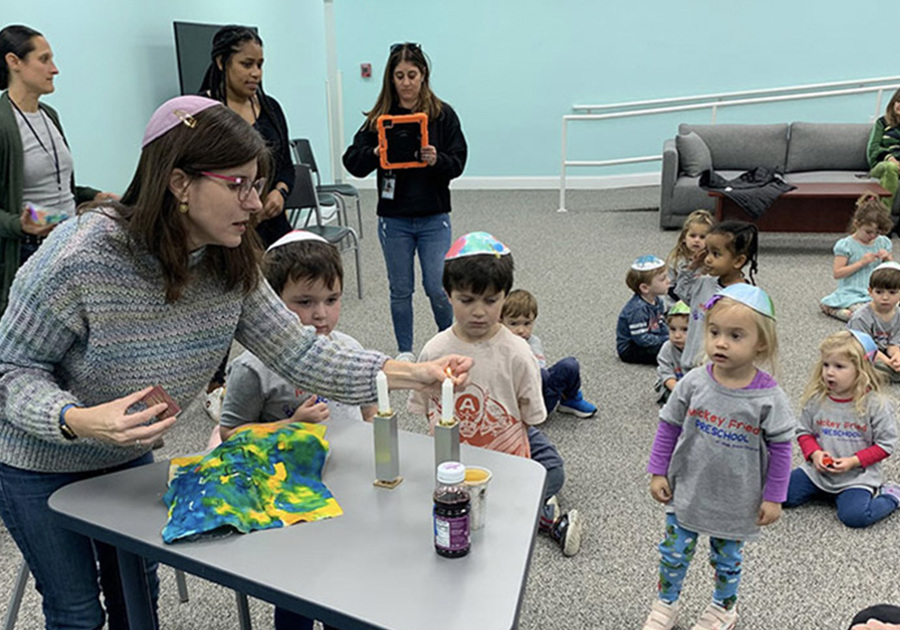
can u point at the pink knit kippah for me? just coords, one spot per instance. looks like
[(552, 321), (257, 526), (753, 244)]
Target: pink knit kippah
[(174, 112)]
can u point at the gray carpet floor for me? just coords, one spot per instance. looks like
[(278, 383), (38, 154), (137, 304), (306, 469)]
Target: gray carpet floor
[(807, 571)]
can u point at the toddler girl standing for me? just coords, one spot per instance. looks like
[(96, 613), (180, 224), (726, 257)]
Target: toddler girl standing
[(691, 241), (846, 428), (857, 255), (722, 455), (730, 246)]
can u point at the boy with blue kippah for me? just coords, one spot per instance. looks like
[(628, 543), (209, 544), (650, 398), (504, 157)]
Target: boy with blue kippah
[(502, 400), (641, 330)]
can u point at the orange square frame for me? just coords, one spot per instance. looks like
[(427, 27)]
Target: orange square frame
[(420, 118)]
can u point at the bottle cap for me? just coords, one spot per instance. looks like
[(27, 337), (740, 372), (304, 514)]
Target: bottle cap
[(450, 473)]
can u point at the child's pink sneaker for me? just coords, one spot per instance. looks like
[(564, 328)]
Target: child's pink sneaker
[(716, 618), (663, 616)]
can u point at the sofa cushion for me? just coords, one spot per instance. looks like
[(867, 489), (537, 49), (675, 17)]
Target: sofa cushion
[(688, 195), (693, 154), (827, 177), (742, 147), (827, 146)]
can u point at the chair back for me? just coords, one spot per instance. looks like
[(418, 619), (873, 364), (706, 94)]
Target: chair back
[(303, 196), (303, 153)]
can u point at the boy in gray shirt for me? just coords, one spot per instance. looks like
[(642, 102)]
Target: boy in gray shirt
[(881, 320), (306, 272), (669, 370)]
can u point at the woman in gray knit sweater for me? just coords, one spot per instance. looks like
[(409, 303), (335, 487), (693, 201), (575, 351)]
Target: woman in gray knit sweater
[(149, 291)]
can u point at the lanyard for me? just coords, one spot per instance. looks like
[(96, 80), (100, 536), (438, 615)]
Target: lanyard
[(40, 142)]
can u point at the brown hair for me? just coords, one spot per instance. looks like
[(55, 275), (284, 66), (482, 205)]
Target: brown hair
[(479, 274), (220, 139), (17, 39), (519, 303), (680, 251), (870, 209), (885, 279), (303, 260), (634, 278), (889, 115), (428, 102)]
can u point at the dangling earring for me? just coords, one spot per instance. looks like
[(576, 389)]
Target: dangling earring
[(183, 208)]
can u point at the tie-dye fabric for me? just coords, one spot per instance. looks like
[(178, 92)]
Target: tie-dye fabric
[(263, 476)]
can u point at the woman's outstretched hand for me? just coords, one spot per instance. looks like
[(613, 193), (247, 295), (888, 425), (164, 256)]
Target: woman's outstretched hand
[(110, 423), (427, 375)]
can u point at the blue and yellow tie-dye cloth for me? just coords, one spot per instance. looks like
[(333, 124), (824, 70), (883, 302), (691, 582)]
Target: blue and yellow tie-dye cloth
[(263, 476)]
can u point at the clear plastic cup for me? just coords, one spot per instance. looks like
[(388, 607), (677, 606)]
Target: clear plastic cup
[(477, 480)]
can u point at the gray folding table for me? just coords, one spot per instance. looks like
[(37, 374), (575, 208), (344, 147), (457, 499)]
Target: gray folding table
[(372, 567)]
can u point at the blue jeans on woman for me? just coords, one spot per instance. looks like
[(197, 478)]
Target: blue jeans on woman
[(63, 563), (400, 239), (856, 507)]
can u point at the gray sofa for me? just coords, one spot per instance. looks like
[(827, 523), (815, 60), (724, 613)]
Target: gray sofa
[(804, 152)]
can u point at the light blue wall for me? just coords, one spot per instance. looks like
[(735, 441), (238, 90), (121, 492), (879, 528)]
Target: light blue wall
[(117, 64), (513, 68)]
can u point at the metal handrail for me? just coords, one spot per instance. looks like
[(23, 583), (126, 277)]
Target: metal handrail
[(713, 105), (729, 95)]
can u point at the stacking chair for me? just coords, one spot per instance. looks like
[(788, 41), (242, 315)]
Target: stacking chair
[(304, 197), (304, 155)]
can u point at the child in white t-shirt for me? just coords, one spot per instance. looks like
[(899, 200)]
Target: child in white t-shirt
[(501, 401)]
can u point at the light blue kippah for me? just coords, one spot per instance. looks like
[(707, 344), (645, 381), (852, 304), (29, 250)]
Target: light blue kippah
[(870, 348), (751, 296)]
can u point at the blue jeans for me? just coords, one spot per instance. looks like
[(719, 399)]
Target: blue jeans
[(856, 507), (676, 552), (63, 563), (400, 239), (561, 381)]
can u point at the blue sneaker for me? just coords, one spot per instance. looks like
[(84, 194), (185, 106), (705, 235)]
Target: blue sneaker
[(577, 406)]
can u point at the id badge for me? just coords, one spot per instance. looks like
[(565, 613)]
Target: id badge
[(388, 183)]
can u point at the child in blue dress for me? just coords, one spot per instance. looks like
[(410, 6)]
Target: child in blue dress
[(857, 255)]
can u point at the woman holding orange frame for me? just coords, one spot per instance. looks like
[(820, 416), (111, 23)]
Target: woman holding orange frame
[(414, 203)]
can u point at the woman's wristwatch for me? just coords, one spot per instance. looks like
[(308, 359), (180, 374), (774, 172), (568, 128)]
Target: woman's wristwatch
[(64, 428)]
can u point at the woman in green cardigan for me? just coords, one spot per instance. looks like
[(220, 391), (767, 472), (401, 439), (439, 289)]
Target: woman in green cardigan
[(35, 163)]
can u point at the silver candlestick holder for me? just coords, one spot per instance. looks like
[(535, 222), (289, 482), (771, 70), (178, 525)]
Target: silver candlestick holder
[(446, 443), (387, 450)]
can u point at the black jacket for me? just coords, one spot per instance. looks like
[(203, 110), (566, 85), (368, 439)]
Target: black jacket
[(418, 191)]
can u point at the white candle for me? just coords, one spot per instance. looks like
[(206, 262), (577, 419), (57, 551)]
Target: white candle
[(384, 401), (447, 400)]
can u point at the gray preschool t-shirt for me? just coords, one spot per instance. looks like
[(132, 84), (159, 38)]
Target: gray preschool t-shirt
[(885, 333), (254, 393), (718, 469), (840, 431), (668, 365), (695, 291)]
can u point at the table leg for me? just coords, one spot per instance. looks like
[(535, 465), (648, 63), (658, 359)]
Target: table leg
[(136, 590)]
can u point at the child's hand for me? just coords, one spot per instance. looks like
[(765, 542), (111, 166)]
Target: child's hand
[(698, 258), (659, 488), (844, 464), (869, 257), (894, 361), (769, 512), (310, 411), (822, 462), (883, 254)]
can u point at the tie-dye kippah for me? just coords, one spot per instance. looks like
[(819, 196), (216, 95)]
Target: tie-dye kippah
[(679, 308), (476, 244), (648, 263), (870, 349)]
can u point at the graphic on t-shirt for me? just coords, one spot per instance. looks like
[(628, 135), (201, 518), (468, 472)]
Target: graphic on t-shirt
[(485, 422), (729, 432)]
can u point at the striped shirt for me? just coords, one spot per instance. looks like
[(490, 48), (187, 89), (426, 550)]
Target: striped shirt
[(88, 323)]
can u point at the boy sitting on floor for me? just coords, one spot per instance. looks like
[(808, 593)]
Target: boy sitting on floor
[(641, 330), (501, 400), (560, 382)]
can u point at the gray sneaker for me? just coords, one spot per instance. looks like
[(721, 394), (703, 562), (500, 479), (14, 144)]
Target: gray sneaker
[(406, 356)]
